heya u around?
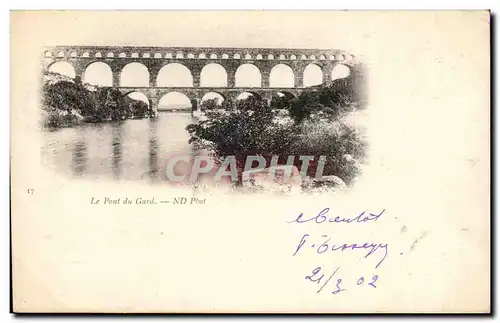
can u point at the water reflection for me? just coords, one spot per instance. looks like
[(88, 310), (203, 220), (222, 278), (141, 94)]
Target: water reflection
[(122, 150), (153, 149), (116, 143), (79, 161)]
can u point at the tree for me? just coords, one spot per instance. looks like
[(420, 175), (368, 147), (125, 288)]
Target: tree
[(334, 100), (210, 104), (282, 101), (247, 130), (67, 96)]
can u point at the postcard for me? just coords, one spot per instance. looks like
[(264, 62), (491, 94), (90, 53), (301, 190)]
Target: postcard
[(250, 161)]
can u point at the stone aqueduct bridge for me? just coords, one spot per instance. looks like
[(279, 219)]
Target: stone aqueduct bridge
[(195, 58)]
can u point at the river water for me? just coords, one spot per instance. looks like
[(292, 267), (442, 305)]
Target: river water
[(128, 150)]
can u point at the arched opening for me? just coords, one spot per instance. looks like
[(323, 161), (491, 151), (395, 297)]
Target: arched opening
[(313, 75), (139, 97), (213, 56), (248, 75), (247, 95), (134, 74), (63, 68), (211, 100), (157, 55), (98, 73), (174, 75), (174, 101), (48, 54), (281, 76), (340, 71), (213, 75), (110, 55), (282, 100), (213, 96)]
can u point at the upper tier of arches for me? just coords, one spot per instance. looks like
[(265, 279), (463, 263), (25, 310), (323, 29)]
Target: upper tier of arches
[(201, 53), (175, 74)]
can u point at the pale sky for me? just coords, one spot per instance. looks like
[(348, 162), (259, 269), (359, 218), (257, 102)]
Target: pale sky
[(280, 29)]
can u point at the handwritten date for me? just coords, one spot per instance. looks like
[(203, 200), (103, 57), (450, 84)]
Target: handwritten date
[(317, 276)]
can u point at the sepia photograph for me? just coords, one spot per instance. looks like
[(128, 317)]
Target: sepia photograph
[(247, 119)]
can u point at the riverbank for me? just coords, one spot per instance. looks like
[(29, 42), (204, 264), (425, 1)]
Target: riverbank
[(67, 102)]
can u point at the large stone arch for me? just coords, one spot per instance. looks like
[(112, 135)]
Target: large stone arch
[(98, 73), (282, 75), (62, 68), (212, 100), (138, 95), (213, 75), (174, 75), (312, 75), (245, 94), (248, 75), (134, 74), (340, 71), (213, 94), (174, 100)]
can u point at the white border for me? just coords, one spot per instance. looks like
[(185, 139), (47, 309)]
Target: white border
[(494, 5)]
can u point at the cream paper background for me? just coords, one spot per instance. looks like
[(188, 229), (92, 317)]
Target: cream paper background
[(428, 130)]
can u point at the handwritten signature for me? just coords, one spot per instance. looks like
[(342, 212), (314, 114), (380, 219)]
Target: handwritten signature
[(317, 277), (326, 246), (322, 217)]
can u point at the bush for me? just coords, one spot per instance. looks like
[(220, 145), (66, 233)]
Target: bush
[(247, 130), (254, 129), (54, 118), (341, 143), (210, 104)]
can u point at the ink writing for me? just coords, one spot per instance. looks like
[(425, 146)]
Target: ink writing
[(325, 245), (322, 217), (336, 282)]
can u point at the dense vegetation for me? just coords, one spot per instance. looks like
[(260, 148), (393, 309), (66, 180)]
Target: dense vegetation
[(312, 124), (66, 102)]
